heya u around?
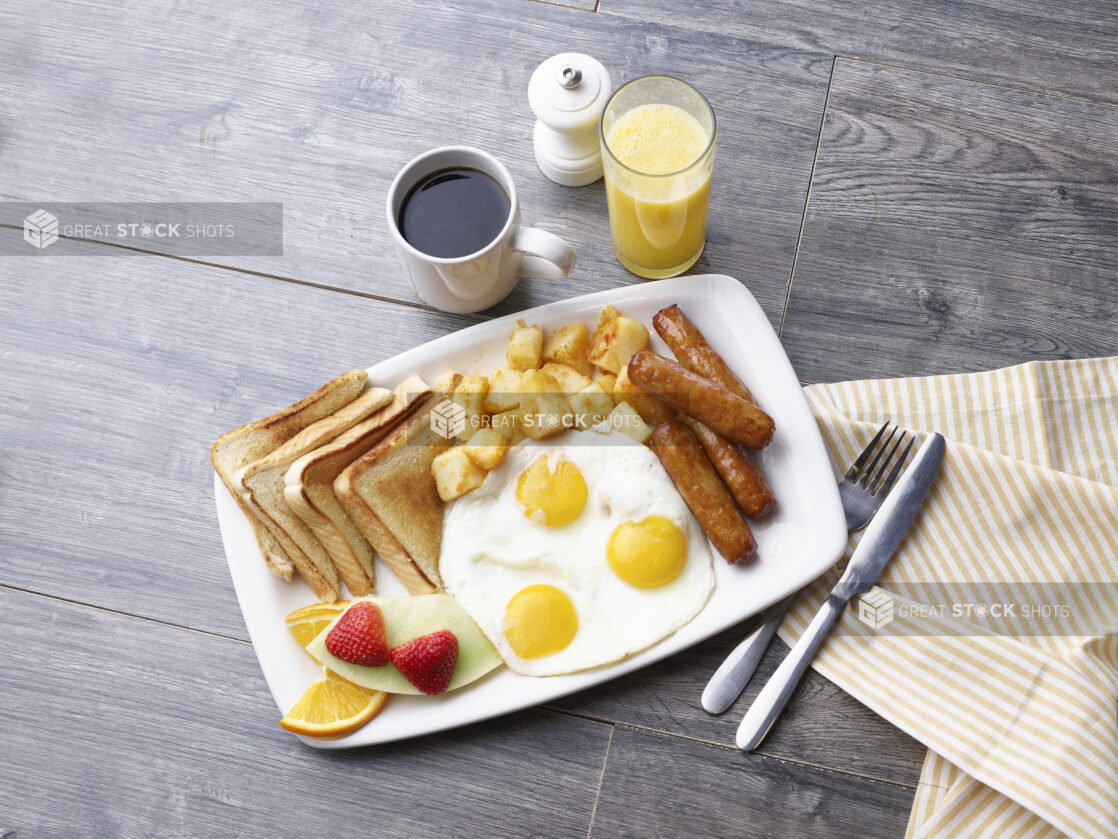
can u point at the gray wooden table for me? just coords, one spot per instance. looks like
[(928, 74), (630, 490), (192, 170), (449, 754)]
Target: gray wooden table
[(907, 188)]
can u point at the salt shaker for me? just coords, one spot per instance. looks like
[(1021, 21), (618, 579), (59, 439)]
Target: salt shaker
[(568, 93)]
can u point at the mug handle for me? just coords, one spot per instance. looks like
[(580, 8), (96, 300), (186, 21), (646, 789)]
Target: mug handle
[(546, 256)]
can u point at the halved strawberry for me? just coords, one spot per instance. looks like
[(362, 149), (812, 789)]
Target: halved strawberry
[(358, 636), (428, 661)]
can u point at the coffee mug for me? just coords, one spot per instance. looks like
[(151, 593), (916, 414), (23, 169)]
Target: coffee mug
[(483, 277)]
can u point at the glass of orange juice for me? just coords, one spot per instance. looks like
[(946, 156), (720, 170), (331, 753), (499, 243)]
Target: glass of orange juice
[(658, 136)]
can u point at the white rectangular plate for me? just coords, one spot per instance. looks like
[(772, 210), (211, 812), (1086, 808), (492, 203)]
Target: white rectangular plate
[(798, 542)]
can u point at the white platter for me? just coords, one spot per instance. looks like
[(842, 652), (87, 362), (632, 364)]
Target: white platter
[(798, 542)]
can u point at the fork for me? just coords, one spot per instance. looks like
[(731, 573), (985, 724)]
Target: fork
[(863, 489)]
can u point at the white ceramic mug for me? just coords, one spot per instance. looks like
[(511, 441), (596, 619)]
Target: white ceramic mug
[(481, 279)]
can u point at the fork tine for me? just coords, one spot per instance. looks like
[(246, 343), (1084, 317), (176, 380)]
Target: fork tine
[(856, 466), (884, 486), (870, 482), (866, 478)]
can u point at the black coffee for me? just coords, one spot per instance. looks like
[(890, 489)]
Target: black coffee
[(453, 212)]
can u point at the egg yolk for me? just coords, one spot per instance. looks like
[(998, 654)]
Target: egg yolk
[(539, 621), (647, 553), (551, 498)]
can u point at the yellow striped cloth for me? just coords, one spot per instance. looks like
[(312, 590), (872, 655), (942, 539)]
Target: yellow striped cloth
[(1019, 714)]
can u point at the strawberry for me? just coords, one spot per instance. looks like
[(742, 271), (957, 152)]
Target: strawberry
[(428, 661), (358, 636)]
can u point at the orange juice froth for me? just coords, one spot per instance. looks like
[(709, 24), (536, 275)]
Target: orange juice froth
[(658, 224)]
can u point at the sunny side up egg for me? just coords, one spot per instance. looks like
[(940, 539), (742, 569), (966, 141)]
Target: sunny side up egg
[(575, 553)]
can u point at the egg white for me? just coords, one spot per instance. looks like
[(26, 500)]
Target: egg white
[(491, 550)]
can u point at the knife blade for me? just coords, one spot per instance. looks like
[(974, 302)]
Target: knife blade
[(885, 532), (879, 542)]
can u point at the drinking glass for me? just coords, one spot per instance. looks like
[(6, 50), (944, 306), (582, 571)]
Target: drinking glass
[(658, 135)]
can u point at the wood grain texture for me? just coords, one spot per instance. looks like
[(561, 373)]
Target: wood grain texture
[(1068, 47), (115, 376), (320, 106), (821, 725), (116, 726), (953, 227), (657, 786)]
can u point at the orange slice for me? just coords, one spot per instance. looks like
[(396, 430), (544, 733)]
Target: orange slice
[(307, 622), (333, 707)]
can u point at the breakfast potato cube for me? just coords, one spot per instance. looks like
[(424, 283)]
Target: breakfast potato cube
[(569, 379), (508, 425), (455, 473), (606, 315), (486, 448), (504, 390), (525, 347), (652, 410), (544, 410), (570, 345), (625, 419), (538, 381), (606, 382), (590, 405), (470, 394), (615, 341)]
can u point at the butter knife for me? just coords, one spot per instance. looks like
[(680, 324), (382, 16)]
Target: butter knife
[(878, 544)]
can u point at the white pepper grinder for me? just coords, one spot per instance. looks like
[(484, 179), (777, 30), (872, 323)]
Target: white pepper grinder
[(568, 93)]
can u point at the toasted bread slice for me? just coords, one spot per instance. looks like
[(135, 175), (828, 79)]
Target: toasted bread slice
[(235, 449), (309, 487), (390, 495), (262, 482)]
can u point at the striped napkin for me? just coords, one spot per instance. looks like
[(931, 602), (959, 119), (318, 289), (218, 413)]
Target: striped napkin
[(992, 636)]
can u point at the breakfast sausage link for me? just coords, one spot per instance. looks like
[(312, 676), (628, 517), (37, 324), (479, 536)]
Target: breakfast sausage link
[(704, 492), (690, 346), (711, 403), (740, 474)]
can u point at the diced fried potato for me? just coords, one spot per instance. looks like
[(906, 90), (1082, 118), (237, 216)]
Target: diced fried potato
[(508, 425), (486, 448), (615, 341), (569, 379), (455, 473), (504, 390), (525, 347), (652, 410), (606, 315), (626, 420), (543, 408), (570, 345), (590, 405), (470, 394), (537, 381), (607, 382)]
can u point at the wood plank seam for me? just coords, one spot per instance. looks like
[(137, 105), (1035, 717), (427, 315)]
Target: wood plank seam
[(124, 614), (958, 78), (565, 6), (413, 304), (725, 746), (807, 196), (601, 781)]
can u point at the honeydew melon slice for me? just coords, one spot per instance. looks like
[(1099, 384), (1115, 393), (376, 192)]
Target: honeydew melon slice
[(406, 618)]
